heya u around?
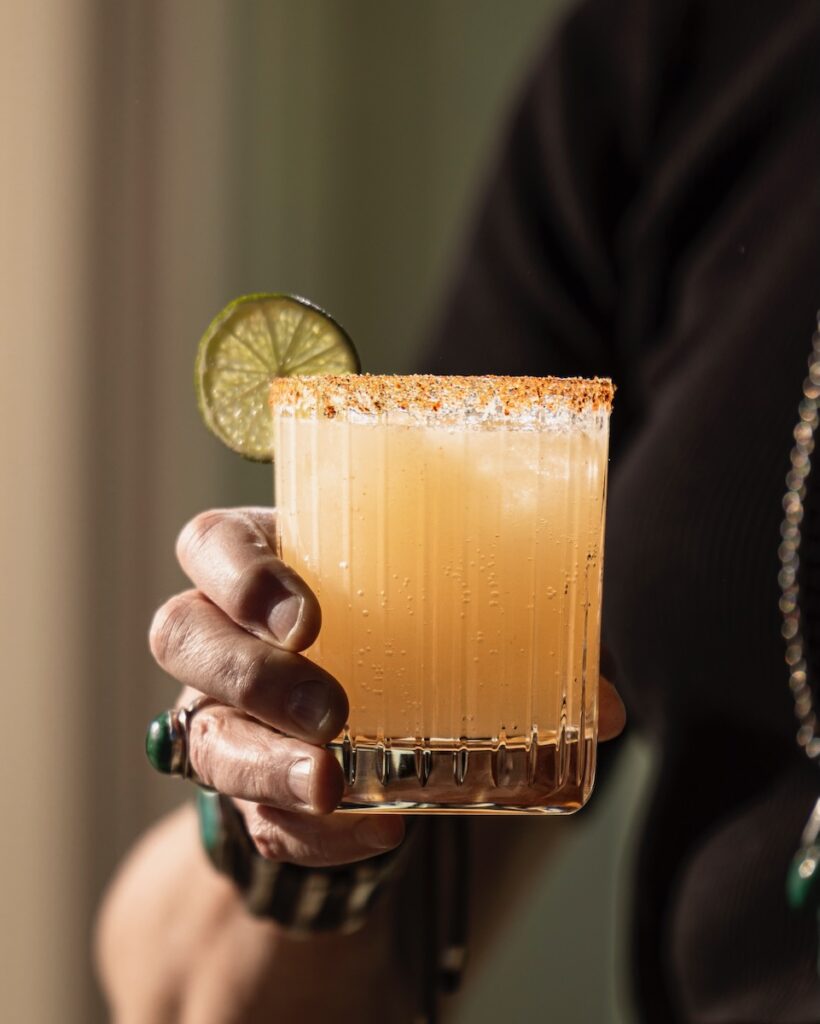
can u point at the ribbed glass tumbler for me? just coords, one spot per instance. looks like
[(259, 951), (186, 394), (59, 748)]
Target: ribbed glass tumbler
[(452, 530)]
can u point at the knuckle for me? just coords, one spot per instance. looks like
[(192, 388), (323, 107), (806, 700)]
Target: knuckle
[(171, 628), (249, 590), (257, 772), (206, 732), (197, 532), (252, 680)]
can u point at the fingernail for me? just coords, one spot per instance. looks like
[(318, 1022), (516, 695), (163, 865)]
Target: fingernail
[(374, 834), (284, 617), (299, 779), (309, 704)]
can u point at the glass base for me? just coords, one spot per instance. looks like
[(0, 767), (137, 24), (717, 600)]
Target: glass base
[(533, 776)]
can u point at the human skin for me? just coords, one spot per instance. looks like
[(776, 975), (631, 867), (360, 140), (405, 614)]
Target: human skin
[(236, 636)]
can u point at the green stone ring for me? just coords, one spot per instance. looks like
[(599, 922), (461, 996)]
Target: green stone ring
[(168, 740)]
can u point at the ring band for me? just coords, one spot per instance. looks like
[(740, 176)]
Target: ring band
[(168, 739)]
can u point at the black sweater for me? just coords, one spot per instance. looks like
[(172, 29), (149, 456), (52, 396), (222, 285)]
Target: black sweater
[(655, 217)]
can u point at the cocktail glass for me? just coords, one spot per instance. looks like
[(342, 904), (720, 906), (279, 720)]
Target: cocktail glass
[(452, 530)]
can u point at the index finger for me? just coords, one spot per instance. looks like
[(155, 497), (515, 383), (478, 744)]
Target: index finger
[(229, 554)]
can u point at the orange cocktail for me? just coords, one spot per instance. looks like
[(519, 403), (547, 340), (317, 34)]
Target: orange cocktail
[(452, 529)]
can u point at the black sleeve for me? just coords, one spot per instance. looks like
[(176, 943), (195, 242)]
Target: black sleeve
[(538, 285)]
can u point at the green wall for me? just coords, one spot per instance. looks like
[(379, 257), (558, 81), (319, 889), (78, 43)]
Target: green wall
[(361, 131)]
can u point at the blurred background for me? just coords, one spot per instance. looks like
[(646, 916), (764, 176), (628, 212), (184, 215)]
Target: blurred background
[(159, 159)]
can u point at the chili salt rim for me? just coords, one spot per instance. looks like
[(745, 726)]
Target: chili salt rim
[(370, 394)]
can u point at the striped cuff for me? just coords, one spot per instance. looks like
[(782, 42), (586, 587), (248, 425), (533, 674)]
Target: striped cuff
[(302, 899)]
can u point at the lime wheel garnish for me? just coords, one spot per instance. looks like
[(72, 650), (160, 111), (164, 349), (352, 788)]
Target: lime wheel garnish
[(251, 341)]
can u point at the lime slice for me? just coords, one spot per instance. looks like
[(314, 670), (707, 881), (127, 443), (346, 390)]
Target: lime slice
[(252, 340)]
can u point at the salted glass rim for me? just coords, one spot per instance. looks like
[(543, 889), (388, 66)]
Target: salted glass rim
[(428, 396)]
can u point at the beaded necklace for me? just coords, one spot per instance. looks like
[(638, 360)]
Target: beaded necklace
[(804, 871)]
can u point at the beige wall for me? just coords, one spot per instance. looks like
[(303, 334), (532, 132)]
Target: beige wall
[(44, 88), (160, 157)]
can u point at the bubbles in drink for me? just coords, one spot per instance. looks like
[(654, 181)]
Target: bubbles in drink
[(449, 583)]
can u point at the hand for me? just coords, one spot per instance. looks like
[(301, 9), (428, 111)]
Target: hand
[(236, 638)]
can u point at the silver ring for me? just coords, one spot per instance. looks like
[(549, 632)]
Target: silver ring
[(168, 740), (184, 717)]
